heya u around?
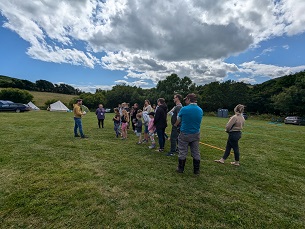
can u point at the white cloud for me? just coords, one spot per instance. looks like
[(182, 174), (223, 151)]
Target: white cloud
[(152, 39), (286, 46), (247, 80), (255, 69)]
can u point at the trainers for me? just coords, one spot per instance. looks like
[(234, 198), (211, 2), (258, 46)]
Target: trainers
[(152, 146), (84, 136), (160, 150), (170, 154), (77, 136), (139, 143)]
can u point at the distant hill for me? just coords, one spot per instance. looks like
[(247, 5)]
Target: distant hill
[(39, 85), (6, 79), (39, 97)]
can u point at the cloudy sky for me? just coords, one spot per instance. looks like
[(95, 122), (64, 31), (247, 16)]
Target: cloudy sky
[(93, 44)]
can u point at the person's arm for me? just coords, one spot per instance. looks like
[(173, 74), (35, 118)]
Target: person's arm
[(178, 121), (230, 123)]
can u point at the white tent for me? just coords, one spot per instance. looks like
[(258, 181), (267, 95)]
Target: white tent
[(33, 106), (58, 106)]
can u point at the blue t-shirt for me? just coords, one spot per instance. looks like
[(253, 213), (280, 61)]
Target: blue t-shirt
[(191, 116)]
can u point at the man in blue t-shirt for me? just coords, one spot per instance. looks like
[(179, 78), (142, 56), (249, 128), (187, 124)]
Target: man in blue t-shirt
[(190, 118)]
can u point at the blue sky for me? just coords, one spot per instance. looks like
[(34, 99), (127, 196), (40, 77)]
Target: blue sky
[(98, 44)]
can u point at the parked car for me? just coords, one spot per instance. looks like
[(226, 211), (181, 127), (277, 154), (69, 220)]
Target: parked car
[(6, 105), (108, 110), (296, 120)]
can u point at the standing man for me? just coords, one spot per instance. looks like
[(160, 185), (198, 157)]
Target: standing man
[(190, 118), (134, 119), (160, 122), (100, 114), (78, 118), (175, 129)]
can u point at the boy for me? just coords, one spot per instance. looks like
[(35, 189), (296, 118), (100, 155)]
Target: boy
[(138, 127)]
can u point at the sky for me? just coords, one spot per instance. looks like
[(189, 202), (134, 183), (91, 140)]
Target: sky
[(96, 44)]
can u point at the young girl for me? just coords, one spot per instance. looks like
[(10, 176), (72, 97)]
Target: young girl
[(151, 130), (138, 127), (116, 122), (124, 121)]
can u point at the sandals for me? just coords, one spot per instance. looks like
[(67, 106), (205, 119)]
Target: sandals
[(219, 161)]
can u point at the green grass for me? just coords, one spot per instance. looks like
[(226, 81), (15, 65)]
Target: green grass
[(41, 97), (49, 179)]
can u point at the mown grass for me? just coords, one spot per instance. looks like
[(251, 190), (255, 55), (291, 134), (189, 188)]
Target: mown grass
[(49, 179)]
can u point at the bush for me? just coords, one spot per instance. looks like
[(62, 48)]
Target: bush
[(16, 95)]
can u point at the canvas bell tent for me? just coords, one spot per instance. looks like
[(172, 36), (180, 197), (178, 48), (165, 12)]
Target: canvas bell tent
[(33, 106), (58, 106)]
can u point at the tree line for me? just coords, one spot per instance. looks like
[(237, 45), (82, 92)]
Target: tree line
[(39, 85), (281, 96)]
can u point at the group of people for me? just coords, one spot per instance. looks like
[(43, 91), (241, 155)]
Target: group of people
[(185, 127)]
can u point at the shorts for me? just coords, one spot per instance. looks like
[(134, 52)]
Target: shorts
[(138, 134), (146, 129)]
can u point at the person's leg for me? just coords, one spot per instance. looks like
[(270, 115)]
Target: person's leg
[(194, 147), (145, 133), (235, 138), (80, 126), (183, 149), (99, 123), (160, 134), (75, 127), (173, 139), (164, 135), (228, 148), (102, 123)]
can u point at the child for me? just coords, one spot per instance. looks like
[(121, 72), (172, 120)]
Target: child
[(116, 123), (124, 121), (151, 129), (146, 121), (138, 127)]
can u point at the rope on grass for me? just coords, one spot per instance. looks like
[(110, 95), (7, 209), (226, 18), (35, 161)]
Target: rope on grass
[(215, 147)]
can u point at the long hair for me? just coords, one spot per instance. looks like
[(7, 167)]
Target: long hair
[(239, 108)]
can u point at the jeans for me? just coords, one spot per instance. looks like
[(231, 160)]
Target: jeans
[(233, 143), (117, 129), (161, 137), (78, 125), (174, 139)]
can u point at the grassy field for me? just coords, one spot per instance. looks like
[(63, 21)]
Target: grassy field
[(49, 179), (41, 97)]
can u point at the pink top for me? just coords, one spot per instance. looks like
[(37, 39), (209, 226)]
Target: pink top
[(151, 127)]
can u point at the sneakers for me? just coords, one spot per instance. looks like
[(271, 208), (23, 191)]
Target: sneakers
[(77, 136), (152, 146), (139, 143), (144, 141), (170, 154), (160, 150), (84, 136)]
